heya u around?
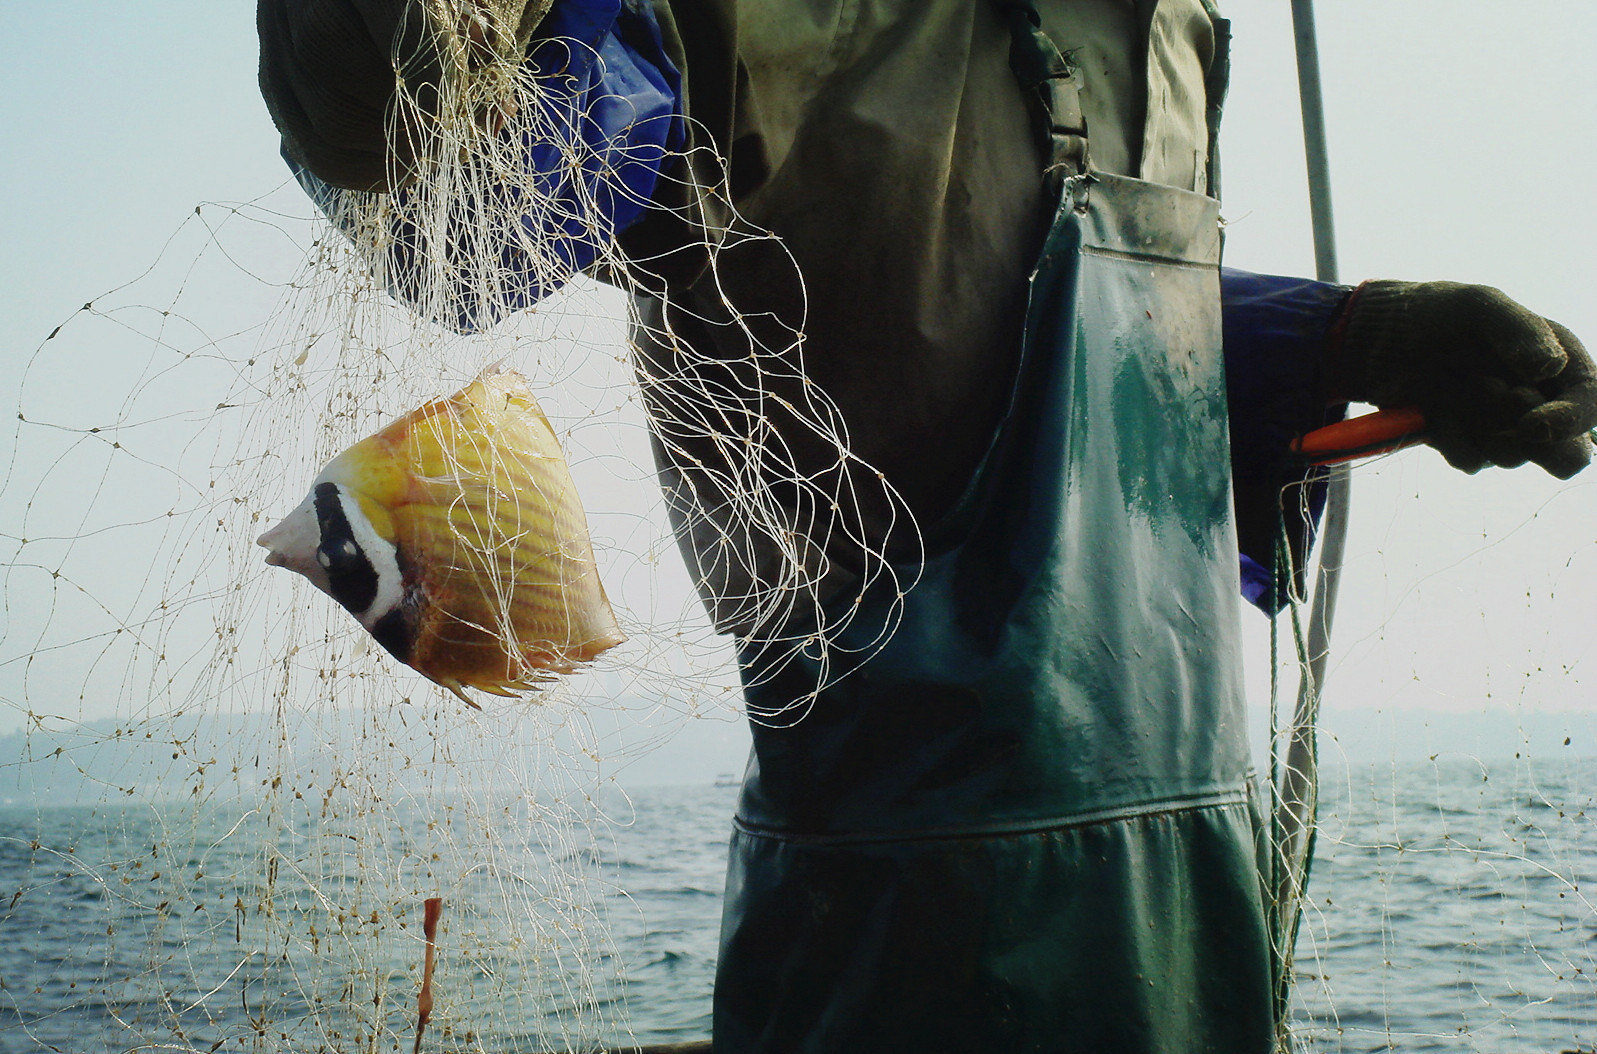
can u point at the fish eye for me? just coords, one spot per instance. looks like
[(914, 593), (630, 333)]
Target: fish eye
[(339, 551)]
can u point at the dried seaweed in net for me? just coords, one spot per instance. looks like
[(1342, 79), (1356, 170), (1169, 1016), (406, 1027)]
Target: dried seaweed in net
[(230, 808), (255, 802), (1444, 878)]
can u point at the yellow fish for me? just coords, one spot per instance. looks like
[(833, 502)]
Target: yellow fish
[(455, 536)]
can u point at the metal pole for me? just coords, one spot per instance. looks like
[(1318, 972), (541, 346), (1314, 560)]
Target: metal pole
[(1314, 149), (1298, 778)]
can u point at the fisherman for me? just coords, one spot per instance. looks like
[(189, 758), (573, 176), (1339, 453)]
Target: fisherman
[(1027, 821)]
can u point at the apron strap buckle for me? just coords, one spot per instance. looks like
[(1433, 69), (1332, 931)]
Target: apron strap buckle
[(1048, 80)]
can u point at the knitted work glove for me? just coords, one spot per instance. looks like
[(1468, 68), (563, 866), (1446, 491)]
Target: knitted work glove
[(356, 86), (1498, 384)]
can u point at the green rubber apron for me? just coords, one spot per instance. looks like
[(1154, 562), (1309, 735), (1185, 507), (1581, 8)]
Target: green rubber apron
[(1025, 822)]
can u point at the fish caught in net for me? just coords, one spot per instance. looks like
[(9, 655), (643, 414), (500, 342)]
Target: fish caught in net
[(256, 802), (233, 822), (456, 537)]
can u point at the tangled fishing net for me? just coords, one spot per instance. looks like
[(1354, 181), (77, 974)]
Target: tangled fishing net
[(255, 832), (1430, 855), (226, 808)]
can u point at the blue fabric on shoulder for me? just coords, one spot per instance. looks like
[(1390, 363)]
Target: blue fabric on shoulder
[(609, 120)]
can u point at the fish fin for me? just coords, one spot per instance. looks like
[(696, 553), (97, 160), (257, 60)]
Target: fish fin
[(456, 688)]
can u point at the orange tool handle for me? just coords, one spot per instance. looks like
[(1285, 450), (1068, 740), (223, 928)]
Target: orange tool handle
[(1377, 433)]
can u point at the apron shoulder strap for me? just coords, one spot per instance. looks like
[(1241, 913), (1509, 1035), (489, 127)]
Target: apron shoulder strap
[(1215, 85), (1048, 80)]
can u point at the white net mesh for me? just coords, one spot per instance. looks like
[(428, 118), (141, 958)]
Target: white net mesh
[(224, 807), (1447, 904), (255, 801)]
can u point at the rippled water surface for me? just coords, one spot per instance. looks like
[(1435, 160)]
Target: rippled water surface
[(1453, 909)]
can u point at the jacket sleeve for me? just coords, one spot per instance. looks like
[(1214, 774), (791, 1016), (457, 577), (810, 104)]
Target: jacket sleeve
[(1275, 331), (605, 119)]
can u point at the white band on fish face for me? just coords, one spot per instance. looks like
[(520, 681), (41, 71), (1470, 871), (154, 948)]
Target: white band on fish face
[(295, 542), (382, 555)]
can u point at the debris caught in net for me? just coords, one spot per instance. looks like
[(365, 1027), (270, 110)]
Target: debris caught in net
[(255, 801), (226, 809)]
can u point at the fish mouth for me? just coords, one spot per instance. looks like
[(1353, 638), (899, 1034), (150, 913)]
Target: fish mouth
[(292, 543), (275, 540)]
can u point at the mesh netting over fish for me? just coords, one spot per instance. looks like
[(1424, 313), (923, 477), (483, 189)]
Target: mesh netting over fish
[(247, 842), (226, 806)]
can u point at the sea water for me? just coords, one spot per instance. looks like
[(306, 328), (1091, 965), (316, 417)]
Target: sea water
[(1452, 908)]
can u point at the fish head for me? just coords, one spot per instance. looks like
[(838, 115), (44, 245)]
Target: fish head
[(342, 536)]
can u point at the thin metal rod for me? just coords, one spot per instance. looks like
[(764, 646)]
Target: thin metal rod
[(1302, 777), (1298, 776), (1314, 148)]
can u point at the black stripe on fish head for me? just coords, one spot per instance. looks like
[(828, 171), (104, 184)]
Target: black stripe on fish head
[(352, 580)]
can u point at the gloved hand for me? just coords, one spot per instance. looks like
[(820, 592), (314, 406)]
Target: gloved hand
[(331, 71), (1499, 385)]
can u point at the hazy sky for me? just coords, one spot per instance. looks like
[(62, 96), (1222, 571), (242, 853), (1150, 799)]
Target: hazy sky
[(1462, 148)]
